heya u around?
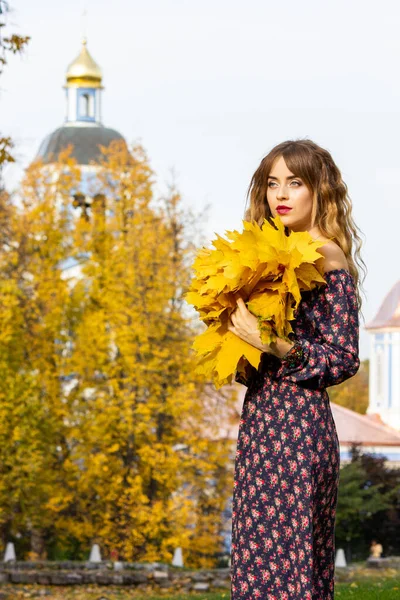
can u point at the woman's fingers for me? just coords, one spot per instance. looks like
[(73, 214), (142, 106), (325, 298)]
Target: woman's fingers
[(233, 319), (241, 317), (233, 324), (242, 308)]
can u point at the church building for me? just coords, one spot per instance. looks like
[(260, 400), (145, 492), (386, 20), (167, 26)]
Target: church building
[(83, 127), (84, 131)]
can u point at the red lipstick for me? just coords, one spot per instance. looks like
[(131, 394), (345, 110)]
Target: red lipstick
[(282, 209)]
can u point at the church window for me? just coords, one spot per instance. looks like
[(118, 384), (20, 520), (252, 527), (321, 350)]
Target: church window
[(86, 106)]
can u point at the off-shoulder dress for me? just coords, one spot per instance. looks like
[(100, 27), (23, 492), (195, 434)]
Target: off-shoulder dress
[(287, 460)]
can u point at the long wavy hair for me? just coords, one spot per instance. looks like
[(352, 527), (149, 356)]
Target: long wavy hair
[(331, 208)]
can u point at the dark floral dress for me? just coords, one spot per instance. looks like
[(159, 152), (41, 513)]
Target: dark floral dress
[(287, 460)]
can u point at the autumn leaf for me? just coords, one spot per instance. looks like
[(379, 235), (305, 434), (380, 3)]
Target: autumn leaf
[(231, 351)]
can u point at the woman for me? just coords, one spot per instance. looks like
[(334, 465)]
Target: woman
[(287, 461)]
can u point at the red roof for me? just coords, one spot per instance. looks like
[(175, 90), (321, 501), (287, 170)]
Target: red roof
[(362, 429), (389, 313), (351, 427)]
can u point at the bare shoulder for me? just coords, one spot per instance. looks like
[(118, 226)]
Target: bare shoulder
[(334, 257)]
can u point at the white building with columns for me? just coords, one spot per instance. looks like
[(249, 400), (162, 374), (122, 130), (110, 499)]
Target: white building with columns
[(384, 382)]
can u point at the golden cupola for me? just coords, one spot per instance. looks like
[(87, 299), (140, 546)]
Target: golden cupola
[(84, 89), (82, 128), (84, 71)]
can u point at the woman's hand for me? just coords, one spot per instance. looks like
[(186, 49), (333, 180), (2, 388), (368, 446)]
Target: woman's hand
[(245, 326)]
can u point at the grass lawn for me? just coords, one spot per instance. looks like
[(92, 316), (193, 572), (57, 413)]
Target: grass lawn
[(385, 589), (375, 587)]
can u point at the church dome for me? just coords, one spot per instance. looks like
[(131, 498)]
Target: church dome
[(388, 315), (82, 128), (86, 142), (84, 68)]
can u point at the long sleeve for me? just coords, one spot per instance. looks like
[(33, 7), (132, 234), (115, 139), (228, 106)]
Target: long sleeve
[(329, 354)]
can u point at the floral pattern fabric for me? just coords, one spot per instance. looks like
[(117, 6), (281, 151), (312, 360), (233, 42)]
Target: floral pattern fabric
[(287, 460)]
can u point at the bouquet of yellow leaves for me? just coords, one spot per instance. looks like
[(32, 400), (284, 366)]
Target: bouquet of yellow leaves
[(268, 270)]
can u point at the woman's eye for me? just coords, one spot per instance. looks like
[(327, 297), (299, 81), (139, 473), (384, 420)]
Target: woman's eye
[(272, 183)]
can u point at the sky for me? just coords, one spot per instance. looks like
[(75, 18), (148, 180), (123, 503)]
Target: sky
[(210, 87)]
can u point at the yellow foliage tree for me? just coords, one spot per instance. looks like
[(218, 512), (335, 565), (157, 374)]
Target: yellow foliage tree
[(33, 305), (129, 451), (353, 393)]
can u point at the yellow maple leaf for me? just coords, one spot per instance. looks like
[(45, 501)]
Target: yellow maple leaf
[(231, 351), (307, 274), (266, 304), (209, 339)]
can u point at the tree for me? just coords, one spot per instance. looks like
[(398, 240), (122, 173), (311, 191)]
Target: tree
[(354, 392), (125, 441), (132, 351), (34, 301), (363, 501), (385, 524), (9, 44)]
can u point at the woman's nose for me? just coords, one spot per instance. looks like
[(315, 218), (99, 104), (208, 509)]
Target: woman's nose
[(282, 192)]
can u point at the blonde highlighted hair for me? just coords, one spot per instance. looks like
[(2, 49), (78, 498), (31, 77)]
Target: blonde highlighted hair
[(332, 208)]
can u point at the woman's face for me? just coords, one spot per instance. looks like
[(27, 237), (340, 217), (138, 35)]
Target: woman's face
[(287, 190)]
